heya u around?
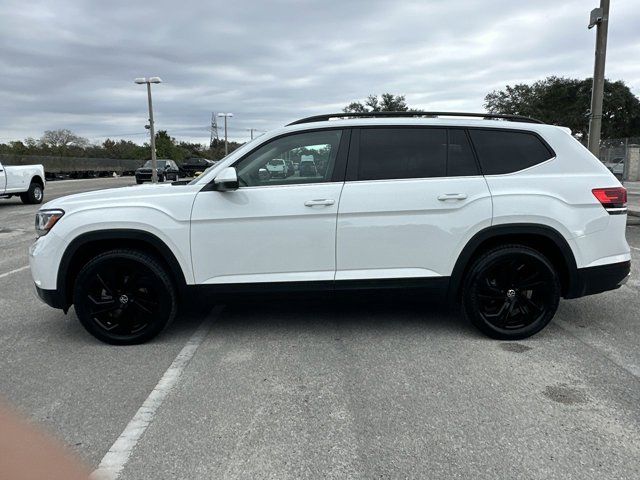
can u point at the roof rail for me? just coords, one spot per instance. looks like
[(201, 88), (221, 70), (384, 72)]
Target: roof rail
[(486, 116)]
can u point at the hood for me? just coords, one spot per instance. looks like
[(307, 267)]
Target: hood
[(115, 196)]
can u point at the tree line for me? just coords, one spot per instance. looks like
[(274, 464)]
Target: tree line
[(65, 143), (554, 100)]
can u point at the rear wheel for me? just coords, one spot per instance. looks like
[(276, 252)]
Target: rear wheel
[(511, 292), (34, 195), (124, 297)]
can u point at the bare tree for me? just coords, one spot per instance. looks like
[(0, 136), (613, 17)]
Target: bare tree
[(63, 138)]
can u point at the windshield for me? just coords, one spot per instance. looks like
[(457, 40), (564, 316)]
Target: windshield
[(161, 163)]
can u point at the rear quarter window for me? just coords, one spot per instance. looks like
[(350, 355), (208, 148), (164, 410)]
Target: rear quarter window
[(507, 151)]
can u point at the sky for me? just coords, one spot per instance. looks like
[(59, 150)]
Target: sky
[(71, 63)]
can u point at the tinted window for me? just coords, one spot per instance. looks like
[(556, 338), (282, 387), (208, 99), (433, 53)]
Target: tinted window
[(501, 151), (387, 153), (307, 157), (460, 162)]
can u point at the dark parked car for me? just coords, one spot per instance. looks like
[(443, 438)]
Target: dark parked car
[(192, 166), (167, 170)]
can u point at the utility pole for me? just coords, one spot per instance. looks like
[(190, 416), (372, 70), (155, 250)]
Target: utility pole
[(252, 130), (600, 19), (152, 132), (214, 129), (226, 144)]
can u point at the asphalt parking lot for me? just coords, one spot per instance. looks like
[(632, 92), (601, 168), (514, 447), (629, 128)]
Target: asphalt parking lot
[(325, 388)]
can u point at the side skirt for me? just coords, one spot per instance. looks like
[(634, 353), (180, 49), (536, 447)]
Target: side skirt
[(437, 286)]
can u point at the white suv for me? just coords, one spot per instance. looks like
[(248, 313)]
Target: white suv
[(501, 214)]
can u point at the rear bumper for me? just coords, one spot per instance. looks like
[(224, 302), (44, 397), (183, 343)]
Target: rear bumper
[(53, 298), (599, 279)]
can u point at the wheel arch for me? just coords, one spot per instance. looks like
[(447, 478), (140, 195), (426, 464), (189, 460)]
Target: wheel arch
[(87, 245), (37, 179), (545, 239)]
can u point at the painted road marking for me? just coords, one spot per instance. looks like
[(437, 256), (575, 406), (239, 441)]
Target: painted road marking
[(14, 271), (118, 455)]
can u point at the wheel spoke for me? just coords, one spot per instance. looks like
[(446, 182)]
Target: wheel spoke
[(500, 312), (105, 309), (531, 303), (104, 284), (100, 302), (140, 306)]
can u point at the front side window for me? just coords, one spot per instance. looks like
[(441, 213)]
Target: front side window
[(506, 151), (307, 157), (393, 153)]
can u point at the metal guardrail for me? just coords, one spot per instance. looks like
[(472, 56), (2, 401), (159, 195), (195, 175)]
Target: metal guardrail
[(74, 165)]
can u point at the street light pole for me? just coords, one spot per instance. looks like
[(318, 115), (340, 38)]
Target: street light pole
[(600, 19), (226, 145), (152, 132)]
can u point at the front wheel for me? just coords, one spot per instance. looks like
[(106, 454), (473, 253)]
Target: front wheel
[(124, 297), (511, 292)]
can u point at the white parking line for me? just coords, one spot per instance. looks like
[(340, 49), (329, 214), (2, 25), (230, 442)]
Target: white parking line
[(636, 248), (14, 271), (118, 455)]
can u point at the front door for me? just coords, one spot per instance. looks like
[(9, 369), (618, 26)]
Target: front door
[(280, 224)]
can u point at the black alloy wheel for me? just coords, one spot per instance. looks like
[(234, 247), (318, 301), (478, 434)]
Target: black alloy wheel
[(511, 292), (124, 297)]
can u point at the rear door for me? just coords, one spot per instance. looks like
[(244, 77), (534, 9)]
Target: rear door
[(413, 197)]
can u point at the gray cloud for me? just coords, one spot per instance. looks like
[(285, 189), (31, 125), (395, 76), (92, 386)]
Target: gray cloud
[(70, 64)]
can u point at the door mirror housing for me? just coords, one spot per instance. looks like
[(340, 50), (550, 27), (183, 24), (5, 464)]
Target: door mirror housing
[(263, 174), (226, 180)]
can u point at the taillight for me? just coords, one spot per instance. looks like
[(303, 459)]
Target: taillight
[(613, 199)]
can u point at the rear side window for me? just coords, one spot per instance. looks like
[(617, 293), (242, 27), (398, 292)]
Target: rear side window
[(502, 151), (392, 153), (460, 160)]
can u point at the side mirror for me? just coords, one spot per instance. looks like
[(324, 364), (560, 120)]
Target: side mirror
[(263, 174), (226, 180)]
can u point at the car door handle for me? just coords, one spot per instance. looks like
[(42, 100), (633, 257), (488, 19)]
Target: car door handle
[(452, 196), (324, 201)]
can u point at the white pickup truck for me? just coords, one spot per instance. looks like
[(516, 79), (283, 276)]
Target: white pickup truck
[(24, 180)]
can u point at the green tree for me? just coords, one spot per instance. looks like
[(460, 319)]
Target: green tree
[(386, 103), (566, 102)]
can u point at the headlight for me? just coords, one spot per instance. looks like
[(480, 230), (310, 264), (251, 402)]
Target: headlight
[(46, 219)]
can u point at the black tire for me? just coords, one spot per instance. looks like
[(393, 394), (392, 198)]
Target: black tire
[(124, 297), (34, 195), (138, 181), (511, 292)]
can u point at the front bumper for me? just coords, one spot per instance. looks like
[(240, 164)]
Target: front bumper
[(592, 280)]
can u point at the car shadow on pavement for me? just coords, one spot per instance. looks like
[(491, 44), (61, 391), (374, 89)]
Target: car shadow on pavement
[(363, 311), (296, 313)]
